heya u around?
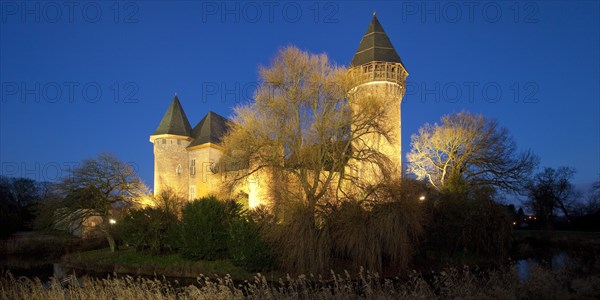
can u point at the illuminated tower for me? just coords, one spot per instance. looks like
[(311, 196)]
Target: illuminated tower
[(170, 140), (379, 75), (204, 151)]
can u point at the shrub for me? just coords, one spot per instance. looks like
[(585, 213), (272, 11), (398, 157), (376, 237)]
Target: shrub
[(205, 226), (352, 238), (10, 219), (489, 229), (382, 230), (299, 239), (246, 247), (471, 224), (150, 229)]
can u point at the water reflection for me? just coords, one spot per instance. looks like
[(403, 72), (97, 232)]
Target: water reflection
[(555, 262)]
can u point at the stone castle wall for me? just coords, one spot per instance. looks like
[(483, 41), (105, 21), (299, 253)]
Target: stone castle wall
[(171, 164), (206, 181)]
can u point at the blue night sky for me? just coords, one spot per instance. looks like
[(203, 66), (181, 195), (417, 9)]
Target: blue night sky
[(89, 77)]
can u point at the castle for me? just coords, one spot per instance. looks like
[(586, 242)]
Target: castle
[(184, 157)]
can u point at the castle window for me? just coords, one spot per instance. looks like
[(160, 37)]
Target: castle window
[(164, 141), (193, 167), (178, 169), (192, 192)]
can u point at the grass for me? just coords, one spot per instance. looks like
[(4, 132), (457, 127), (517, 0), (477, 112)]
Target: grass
[(47, 246), (557, 235), (449, 284), (138, 263), (129, 257)]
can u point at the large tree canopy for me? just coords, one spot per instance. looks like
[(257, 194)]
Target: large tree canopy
[(299, 125), (95, 188), (468, 149)]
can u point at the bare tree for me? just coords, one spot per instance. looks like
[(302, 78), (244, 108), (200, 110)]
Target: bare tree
[(167, 200), (299, 127), (24, 191), (551, 190), (593, 200), (467, 149), (95, 188)]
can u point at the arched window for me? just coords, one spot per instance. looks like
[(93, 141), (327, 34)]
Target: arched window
[(178, 169)]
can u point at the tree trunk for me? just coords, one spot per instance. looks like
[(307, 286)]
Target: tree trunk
[(109, 237), (111, 242)]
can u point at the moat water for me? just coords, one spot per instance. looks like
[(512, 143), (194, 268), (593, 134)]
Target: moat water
[(23, 266)]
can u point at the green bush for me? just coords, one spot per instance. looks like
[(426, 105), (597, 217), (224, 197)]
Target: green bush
[(489, 232), (463, 224), (205, 227), (247, 248), (149, 229)]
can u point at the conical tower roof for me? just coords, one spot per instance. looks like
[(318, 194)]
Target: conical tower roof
[(375, 46), (209, 130), (174, 121)]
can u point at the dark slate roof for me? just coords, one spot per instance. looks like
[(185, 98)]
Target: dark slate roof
[(174, 121), (375, 46), (209, 130)]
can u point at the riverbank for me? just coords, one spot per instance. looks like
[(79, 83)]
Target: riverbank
[(580, 251), (544, 243), (100, 274), (127, 261), (35, 254)]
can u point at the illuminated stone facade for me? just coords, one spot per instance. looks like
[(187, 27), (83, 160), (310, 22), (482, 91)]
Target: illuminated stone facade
[(184, 157)]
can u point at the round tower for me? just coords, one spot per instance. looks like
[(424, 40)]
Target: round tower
[(378, 74), (171, 162)]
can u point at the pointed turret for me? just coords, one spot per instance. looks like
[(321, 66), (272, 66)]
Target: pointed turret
[(174, 121), (209, 130), (378, 74), (170, 140), (375, 46)]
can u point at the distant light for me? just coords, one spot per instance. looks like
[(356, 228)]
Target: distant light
[(112, 221), (514, 223), (422, 198)]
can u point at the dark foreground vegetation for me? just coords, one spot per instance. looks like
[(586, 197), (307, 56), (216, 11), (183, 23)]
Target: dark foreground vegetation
[(382, 236), (506, 283)]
